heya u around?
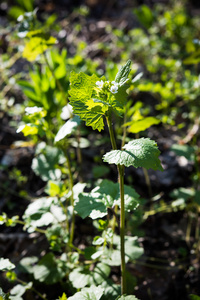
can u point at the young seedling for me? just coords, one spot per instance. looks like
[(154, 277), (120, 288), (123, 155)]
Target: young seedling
[(94, 99)]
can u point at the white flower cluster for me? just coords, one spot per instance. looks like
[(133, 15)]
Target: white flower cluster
[(113, 88)]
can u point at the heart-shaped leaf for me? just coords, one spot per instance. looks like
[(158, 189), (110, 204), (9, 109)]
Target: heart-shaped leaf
[(138, 153)]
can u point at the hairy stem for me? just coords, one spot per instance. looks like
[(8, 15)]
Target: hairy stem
[(122, 210), (122, 230)]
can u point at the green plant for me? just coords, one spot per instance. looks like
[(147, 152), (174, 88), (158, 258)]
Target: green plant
[(93, 98)]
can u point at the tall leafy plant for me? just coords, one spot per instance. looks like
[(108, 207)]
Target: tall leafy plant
[(94, 100)]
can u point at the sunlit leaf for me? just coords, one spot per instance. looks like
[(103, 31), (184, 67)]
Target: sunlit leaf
[(90, 206), (91, 293), (67, 128), (38, 43), (82, 276), (19, 290), (106, 194), (28, 129), (129, 297), (141, 125), (49, 269), (138, 153), (5, 264), (81, 90)]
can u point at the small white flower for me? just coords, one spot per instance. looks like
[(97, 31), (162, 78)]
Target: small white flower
[(114, 89), (100, 84)]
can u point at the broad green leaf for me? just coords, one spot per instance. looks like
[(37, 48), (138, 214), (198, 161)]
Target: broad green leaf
[(131, 199), (82, 276), (6, 265), (120, 98), (91, 293), (132, 251), (112, 257), (132, 248), (49, 269), (106, 194), (19, 290), (111, 291), (81, 91), (138, 153), (89, 205), (123, 73), (43, 212), (141, 125), (45, 164), (26, 264)]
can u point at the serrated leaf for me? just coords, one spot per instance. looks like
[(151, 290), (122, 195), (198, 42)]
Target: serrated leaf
[(91, 293), (81, 90), (6, 265), (138, 153), (123, 73)]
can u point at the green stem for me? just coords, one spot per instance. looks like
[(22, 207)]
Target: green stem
[(111, 132), (122, 230), (71, 184), (122, 210), (35, 229), (124, 128)]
